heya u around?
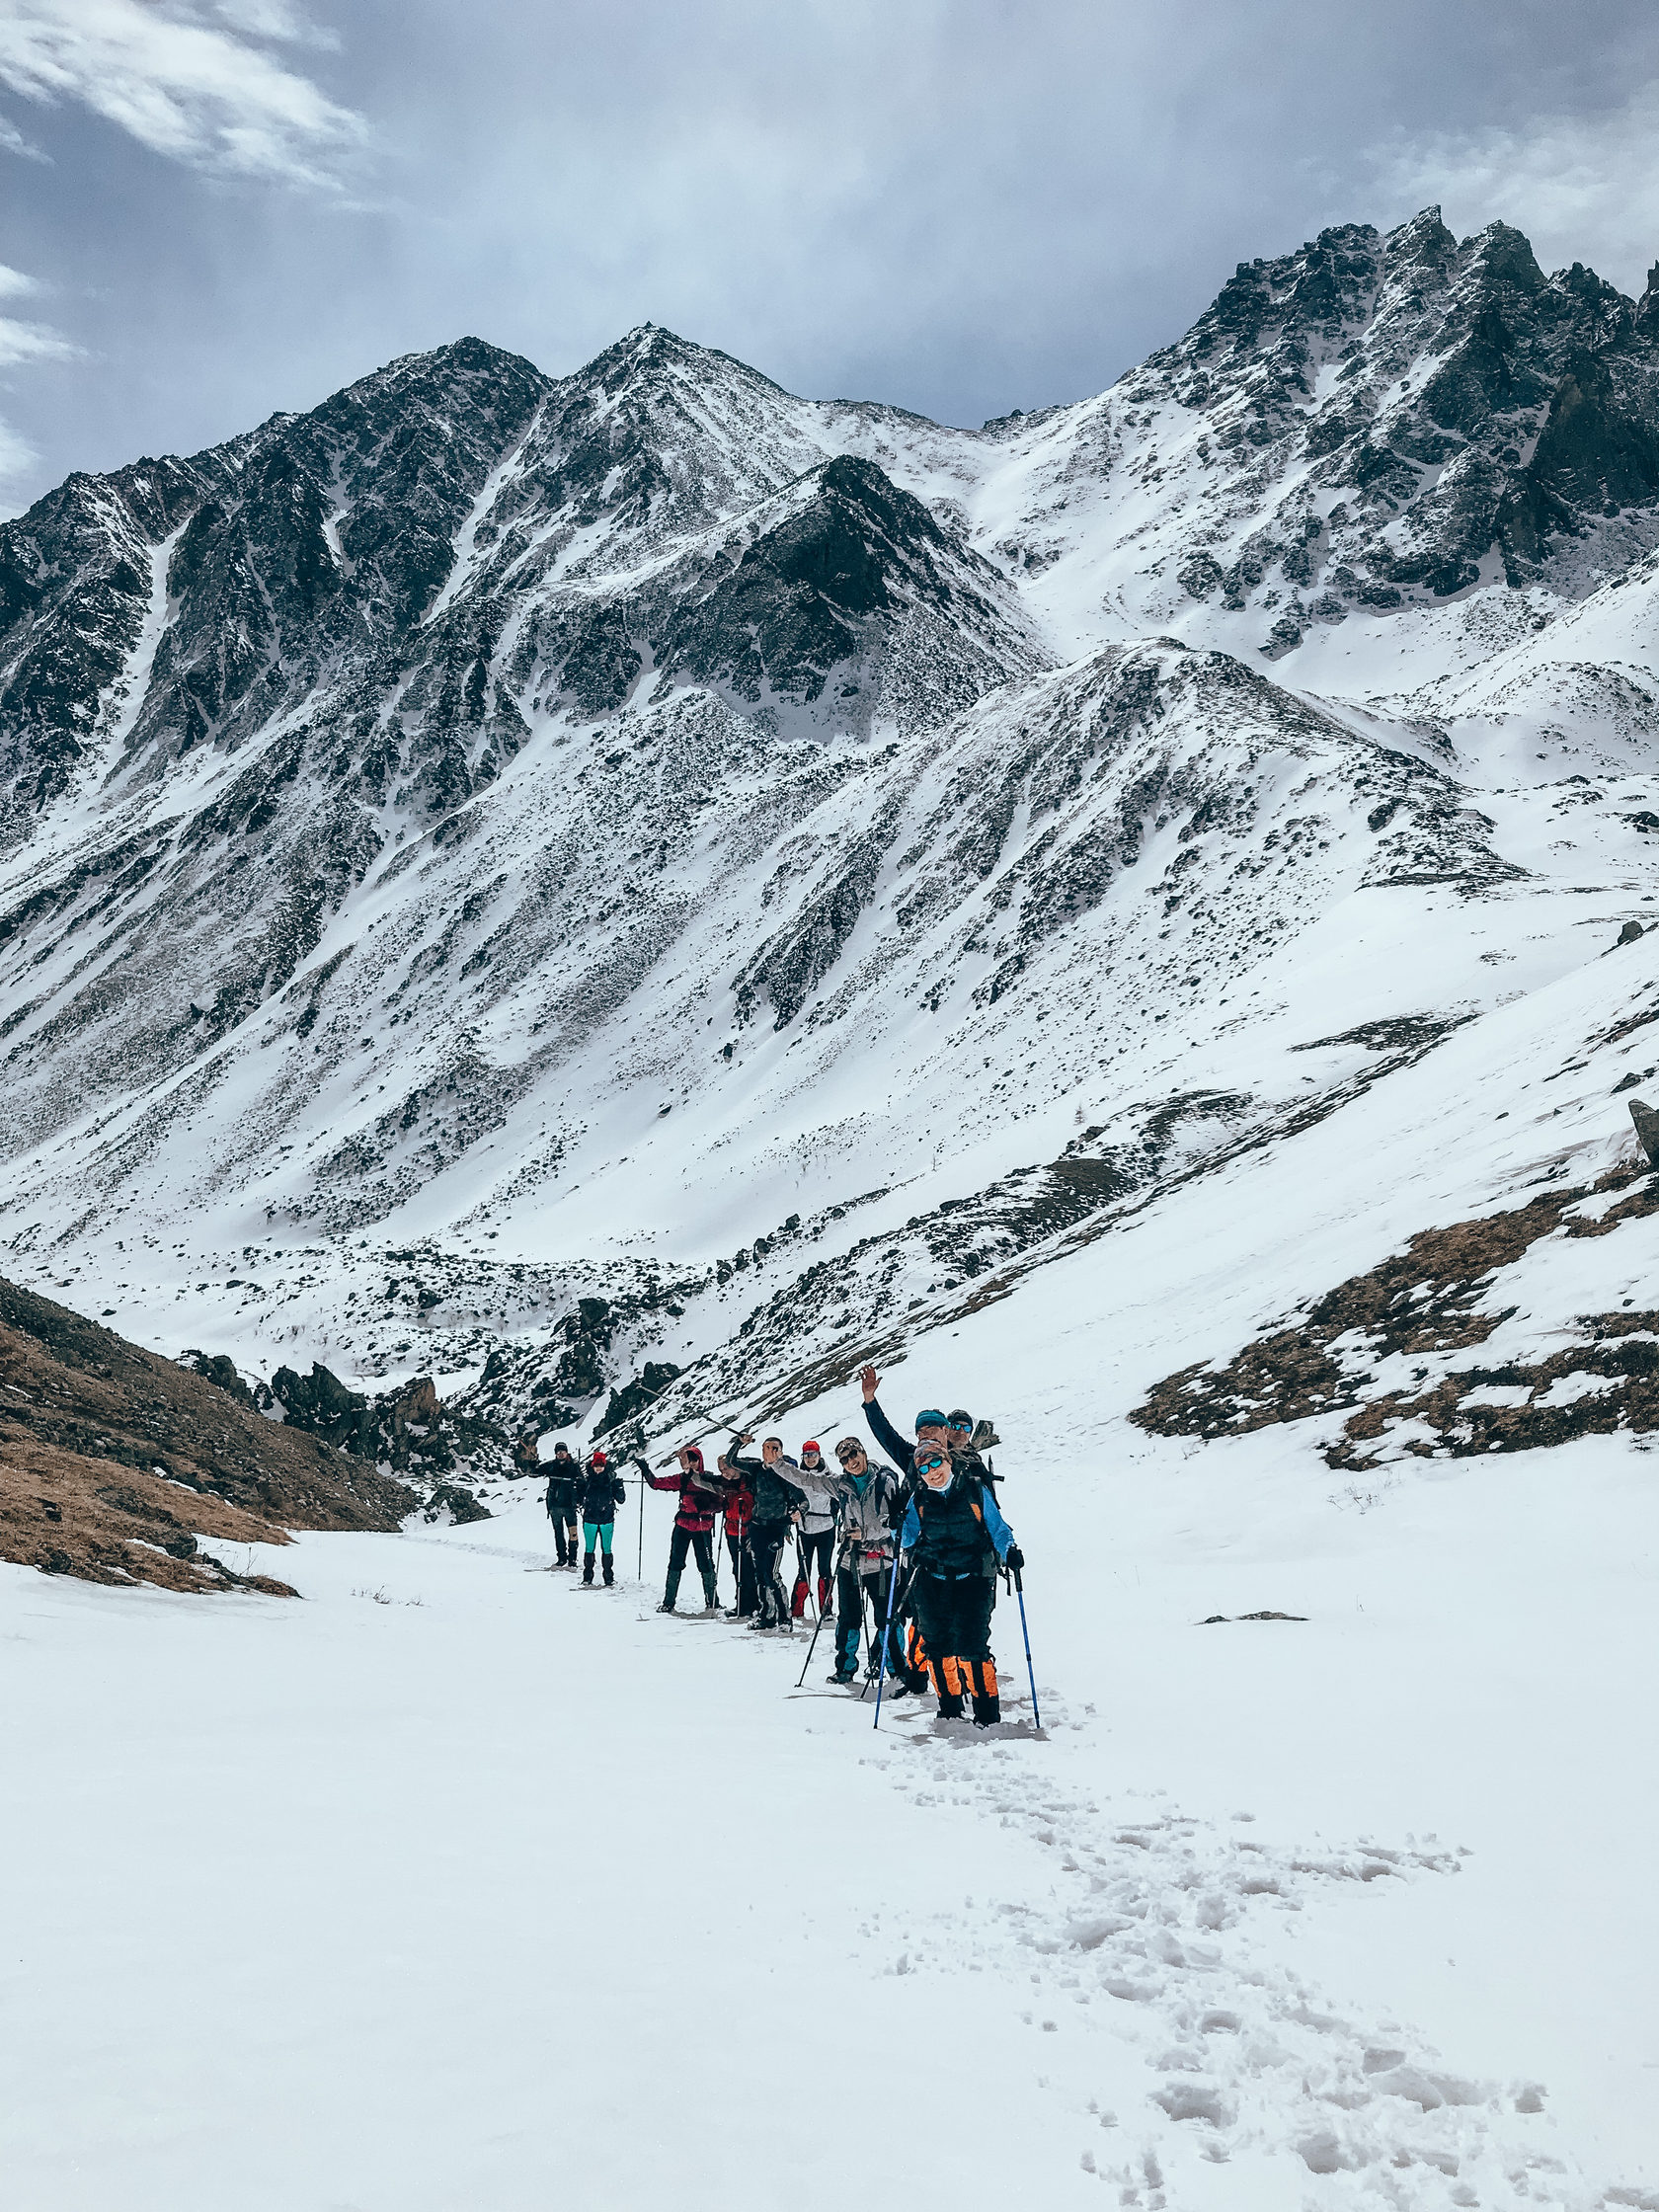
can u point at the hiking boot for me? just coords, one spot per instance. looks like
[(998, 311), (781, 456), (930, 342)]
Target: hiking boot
[(950, 1705), (587, 1570), (840, 1675), (667, 1606), (609, 1575), (988, 1712)]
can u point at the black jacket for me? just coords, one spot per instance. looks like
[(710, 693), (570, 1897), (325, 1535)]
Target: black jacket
[(950, 1529), (775, 1496), (601, 1493), (564, 1487), (888, 1437)]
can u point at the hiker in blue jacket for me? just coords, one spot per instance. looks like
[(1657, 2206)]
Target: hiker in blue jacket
[(956, 1540)]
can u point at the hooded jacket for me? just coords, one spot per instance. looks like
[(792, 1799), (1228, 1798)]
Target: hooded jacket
[(700, 1496)]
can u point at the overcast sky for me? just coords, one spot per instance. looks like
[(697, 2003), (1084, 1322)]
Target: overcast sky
[(215, 208)]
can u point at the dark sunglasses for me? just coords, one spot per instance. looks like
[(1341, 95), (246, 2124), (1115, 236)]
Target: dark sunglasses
[(852, 1451)]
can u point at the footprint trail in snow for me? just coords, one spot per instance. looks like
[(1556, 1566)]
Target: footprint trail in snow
[(1184, 2041)]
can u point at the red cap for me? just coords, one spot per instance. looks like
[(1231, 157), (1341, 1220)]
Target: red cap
[(811, 1445), (599, 1459)]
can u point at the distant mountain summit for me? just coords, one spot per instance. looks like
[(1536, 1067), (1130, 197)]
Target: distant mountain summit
[(556, 870)]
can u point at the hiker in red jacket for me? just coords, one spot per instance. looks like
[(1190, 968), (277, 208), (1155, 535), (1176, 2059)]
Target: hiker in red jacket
[(738, 1512), (700, 1496)]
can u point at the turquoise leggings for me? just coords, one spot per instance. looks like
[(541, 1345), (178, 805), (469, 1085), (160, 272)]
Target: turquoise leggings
[(603, 1530)]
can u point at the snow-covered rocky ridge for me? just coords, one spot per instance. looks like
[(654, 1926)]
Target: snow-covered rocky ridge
[(767, 865)]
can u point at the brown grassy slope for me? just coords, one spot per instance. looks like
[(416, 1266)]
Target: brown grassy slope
[(1442, 1293), (112, 1460)]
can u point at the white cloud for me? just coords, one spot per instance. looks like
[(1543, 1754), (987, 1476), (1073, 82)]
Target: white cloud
[(11, 141), (27, 342), (182, 84), (1583, 188), (274, 18)]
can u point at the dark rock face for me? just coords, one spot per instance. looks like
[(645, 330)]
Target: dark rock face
[(1456, 403), (1648, 1129), (217, 1369), (409, 1430), (312, 541), (458, 1502), (638, 1396)]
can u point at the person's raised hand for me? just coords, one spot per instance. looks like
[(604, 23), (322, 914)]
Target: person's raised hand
[(869, 1382)]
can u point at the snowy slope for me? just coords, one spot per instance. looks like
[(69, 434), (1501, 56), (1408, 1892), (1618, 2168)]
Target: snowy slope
[(492, 787)]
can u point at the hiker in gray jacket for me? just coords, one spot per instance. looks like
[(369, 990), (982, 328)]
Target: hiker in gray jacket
[(868, 1496)]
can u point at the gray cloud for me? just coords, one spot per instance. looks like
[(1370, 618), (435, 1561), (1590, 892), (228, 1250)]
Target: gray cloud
[(1581, 187), (960, 205)]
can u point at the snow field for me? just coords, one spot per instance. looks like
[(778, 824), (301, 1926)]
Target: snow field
[(439, 1888)]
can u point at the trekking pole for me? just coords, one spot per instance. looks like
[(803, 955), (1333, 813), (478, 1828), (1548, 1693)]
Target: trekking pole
[(871, 1633), (639, 1572), (1031, 1676), (810, 1648), (887, 1633)]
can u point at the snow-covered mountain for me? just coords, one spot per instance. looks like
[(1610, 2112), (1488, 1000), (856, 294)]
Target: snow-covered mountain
[(641, 867)]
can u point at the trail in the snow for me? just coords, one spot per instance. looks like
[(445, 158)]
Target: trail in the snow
[(1156, 1936)]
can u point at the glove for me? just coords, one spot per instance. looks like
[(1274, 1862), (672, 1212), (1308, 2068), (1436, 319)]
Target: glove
[(1015, 1559)]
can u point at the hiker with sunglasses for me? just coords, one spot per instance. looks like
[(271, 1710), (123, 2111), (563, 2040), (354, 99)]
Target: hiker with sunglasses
[(956, 1540), (869, 1496)]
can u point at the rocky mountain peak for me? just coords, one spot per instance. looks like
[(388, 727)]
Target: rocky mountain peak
[(427, 804)]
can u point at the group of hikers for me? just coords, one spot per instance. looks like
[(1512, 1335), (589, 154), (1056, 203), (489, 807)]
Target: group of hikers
[(921, 1543)]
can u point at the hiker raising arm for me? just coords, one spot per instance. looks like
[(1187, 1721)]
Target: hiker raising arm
[(693, 1528), (777, 1500)]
